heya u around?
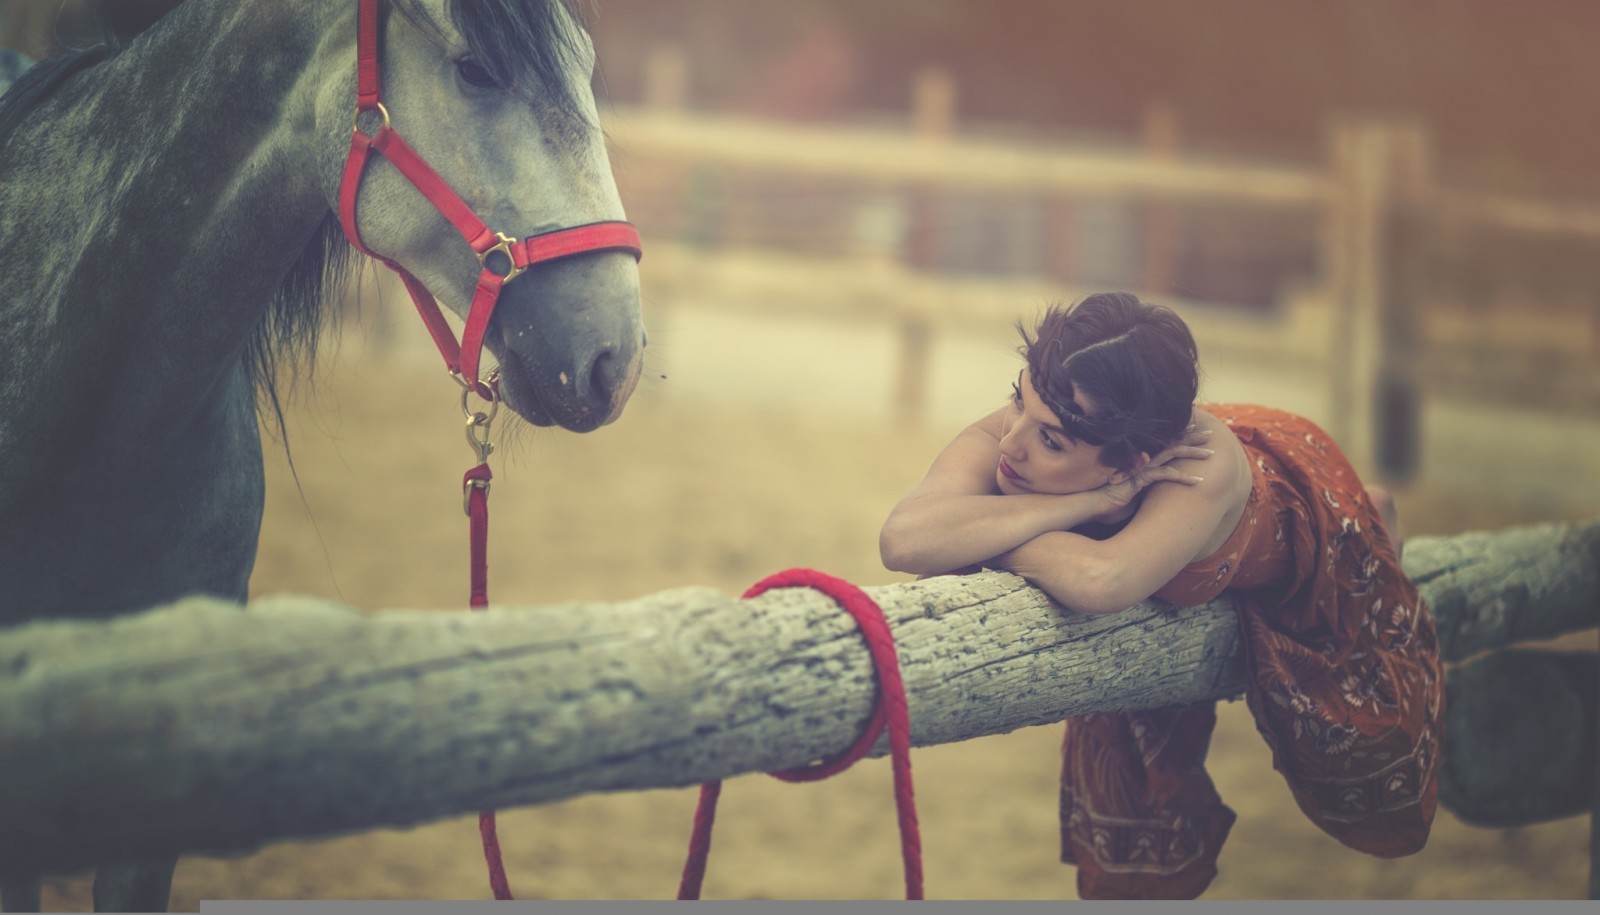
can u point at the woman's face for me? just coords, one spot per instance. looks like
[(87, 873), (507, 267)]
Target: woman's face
[(1036, 455)]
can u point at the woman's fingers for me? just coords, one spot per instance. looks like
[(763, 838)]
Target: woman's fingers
[(1174, 475), (1181, 452), (1166, 474)]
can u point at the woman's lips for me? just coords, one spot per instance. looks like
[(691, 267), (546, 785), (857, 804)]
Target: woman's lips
[(1008, 473)]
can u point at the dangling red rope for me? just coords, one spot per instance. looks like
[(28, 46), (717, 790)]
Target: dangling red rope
[(475, 486), (462, 359), (890, 711)]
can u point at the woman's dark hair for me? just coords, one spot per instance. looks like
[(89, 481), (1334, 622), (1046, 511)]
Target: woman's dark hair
[(1136, 360)]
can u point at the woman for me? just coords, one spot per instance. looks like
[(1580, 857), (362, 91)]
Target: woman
[(1103, 485)]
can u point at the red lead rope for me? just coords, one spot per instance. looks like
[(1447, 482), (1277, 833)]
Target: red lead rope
[(510, 257), (475, 486), (890, 710)]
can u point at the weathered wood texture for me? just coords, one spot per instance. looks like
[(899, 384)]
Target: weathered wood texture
[(203, 727), (1520, 737), (1494, 588)]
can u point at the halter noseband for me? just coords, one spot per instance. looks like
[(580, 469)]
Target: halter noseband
[(515, 256)]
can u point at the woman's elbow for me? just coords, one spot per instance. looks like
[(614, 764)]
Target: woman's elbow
[(1097, 605), (1094, 590), (897, 551)]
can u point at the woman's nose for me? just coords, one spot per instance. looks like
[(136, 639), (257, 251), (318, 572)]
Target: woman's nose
[(1008, 445)]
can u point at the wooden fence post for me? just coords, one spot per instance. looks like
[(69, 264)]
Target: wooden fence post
[(911, 385), (933, 118), (1159, 132), (1408, 264), (933, 105), (1381, 172), (666, 78)]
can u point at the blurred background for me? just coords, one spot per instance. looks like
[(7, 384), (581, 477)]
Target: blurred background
[(1381, 215)]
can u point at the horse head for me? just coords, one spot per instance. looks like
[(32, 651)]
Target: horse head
[(494, 95)]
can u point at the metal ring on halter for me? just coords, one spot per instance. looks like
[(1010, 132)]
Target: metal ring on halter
[(478, 424), (355, 119), (494, 405), (485, 389), (504, 247)]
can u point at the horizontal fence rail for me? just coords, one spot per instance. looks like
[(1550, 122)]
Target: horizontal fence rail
[(896, 157), (204, 727)]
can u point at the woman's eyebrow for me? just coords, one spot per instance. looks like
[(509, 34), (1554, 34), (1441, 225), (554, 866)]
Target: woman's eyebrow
[(1047, 427)]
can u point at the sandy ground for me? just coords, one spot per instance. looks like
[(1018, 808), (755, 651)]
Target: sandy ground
[(685, 491)]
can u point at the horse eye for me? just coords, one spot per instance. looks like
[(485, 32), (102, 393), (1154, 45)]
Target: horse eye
[(474, 74)]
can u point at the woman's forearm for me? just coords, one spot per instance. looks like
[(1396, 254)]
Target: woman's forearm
[(937, 532), (1070, 568)]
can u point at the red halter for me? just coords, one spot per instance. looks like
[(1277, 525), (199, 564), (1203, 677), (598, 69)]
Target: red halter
[(462, 359)]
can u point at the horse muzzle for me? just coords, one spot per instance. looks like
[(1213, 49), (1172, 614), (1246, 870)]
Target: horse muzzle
[(570, 341)]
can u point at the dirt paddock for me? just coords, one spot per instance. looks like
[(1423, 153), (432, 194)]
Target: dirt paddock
[(676, 494)]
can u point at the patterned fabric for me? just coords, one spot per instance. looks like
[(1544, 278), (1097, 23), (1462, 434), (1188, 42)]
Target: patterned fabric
[(1343, 681)]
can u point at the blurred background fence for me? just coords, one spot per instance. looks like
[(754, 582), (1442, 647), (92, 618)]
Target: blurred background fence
[(1361, 270), (933, 171)]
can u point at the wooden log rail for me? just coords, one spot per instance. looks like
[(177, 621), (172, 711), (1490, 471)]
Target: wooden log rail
[(201, 727)]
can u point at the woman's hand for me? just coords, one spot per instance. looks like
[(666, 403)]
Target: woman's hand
[(1122, 498)]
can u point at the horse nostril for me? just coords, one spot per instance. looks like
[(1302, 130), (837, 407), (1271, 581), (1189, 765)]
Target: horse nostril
[(603, 377)]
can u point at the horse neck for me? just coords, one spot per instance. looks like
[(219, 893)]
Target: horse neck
[(180, 181)]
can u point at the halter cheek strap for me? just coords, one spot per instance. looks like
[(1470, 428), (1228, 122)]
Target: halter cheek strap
[(502, 257)]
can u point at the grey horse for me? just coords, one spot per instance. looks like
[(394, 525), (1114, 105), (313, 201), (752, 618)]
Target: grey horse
[(168, 231)]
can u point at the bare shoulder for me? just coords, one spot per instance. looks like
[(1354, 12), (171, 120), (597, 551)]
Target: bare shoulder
[(990, 425), (966, 465), (1198, 519), (1228, 470)]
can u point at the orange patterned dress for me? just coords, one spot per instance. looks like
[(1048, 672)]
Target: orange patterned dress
[(1344, 682)]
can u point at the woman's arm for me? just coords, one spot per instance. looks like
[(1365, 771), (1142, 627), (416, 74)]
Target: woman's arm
[(957, 516), (1171, 527)]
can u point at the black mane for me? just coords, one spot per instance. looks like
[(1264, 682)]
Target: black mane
[(292, 323), (523, 43), (41, 80)]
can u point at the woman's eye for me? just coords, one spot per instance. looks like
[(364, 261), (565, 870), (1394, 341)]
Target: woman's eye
[(473, 74), (1050, 441), (1016, 394)]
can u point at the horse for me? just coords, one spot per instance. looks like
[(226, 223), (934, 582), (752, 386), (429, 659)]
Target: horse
[(170, 229)]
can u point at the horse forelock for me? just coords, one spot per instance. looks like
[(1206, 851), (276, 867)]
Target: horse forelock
[(531, 44)]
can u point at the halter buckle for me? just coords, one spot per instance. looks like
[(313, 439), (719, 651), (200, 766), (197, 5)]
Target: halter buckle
[(502, 247), (466, 494), (355, 119)]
